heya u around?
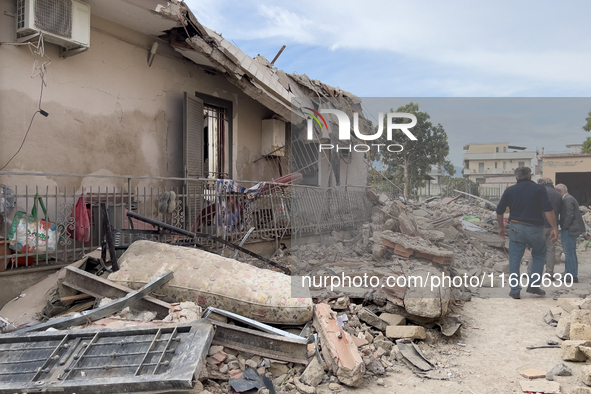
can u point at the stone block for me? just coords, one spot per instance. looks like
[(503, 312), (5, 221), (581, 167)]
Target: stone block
[(586, 374), (580, 331), (570, 350), (412, 332), (563, 327), (313, 373), (372, 319), (392, 319)]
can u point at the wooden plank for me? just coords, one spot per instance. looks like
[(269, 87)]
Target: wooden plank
[(76, 297), (98, 287)]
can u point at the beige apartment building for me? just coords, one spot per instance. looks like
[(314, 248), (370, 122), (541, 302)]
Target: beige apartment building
[(494, 163)]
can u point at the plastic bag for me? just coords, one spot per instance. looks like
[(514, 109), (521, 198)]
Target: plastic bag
[(29, 235), (79, 224)]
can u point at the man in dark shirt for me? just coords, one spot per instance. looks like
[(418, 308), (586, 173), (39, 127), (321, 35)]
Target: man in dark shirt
[(556, 201), (527, 202)]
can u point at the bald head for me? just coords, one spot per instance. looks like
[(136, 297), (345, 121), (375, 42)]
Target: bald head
[(562, 189)]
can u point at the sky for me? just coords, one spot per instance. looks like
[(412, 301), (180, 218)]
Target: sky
[(427, 49)]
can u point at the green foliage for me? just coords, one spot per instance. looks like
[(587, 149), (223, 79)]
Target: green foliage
[(458, 184), (410, 166), (587, 127), (586, 145)]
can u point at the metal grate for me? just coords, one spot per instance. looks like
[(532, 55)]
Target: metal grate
[(104, 361), (20, 14), (54, 16)]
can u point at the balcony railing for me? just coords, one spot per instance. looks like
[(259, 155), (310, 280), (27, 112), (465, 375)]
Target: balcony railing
[(222, 208)]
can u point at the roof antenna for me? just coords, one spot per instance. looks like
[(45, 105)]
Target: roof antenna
[(278, 54)]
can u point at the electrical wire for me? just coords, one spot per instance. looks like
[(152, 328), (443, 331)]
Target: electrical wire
[(39, 111)]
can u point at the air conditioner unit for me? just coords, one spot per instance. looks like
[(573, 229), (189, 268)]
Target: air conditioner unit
[(62, 22), (273, 137)]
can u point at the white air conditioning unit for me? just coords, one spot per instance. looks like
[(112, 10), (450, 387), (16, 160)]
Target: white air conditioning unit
[(62, 22), (273, 137)]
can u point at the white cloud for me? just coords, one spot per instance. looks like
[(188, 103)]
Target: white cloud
[(539, 42)]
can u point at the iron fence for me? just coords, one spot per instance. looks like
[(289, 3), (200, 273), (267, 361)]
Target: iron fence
[(224, 208)]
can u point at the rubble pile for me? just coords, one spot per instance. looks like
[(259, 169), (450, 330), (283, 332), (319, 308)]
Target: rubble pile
[(265, 338)]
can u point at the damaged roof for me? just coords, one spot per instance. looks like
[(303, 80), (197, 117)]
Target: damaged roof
[(174, 22)]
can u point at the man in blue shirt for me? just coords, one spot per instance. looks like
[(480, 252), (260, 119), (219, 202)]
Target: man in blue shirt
[(527, 203)]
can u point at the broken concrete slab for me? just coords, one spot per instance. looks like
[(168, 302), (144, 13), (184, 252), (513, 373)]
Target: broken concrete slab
[(421, 300), (33, 299), (405, 245), (339, 351), (372, 319), (202, 277), (580, 390), (533, 373), (540, 386), (412, 353), (410, 332)]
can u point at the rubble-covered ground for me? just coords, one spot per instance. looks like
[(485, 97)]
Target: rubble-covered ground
[(414, 339)]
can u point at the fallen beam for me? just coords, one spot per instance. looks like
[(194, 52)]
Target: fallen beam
[(294, 350), (76, 297), (250, 322), (98, 287), (338, 348), (203, 235), (104, 311)]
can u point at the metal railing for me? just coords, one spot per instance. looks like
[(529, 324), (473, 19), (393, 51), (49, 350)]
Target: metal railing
[(223, 208)]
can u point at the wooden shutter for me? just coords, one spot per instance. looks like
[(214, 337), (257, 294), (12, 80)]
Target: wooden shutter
[(193, 157)]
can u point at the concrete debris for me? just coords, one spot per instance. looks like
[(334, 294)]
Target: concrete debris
[(370, 318), (532, 373), (313, 373), (411, 332), (540, 386), (570, 350), (392, 319), (586, 374), (338, 349), (558, 370)]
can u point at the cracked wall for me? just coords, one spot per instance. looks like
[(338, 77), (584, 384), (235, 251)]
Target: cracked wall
[(109, 113)]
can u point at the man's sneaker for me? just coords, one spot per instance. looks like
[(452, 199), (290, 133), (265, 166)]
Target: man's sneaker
[(514, 294), (575, 280), (536, 290)]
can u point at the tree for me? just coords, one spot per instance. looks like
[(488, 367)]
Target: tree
[(412, 164), (586, 146), (587, 127)]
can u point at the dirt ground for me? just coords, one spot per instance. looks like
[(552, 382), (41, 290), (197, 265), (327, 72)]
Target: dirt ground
[(496, 332)]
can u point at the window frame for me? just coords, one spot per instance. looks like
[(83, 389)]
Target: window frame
[(228, 107)]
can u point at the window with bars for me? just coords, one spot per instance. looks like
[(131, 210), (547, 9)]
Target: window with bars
[(216, 141)]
